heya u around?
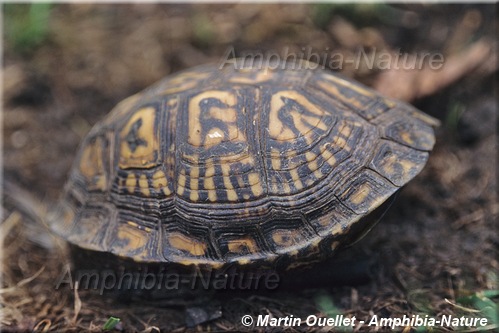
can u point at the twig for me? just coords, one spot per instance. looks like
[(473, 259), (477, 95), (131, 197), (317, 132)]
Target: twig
[(77, 306), (408, 84), (23, 282)]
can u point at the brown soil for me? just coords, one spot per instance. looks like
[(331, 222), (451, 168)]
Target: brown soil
[(438, 243)]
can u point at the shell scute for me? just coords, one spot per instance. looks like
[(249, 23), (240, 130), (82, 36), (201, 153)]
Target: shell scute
[(222, 165)]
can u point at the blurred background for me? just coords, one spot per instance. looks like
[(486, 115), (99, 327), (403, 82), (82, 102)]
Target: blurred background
[(66, 65)]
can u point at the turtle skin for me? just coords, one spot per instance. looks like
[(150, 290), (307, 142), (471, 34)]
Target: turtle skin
[(235, 164)]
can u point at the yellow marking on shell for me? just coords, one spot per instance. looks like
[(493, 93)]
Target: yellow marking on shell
[(159, 181), (318, 174), (222, 113), (194, 262), (324, 220), (194, 183), (392, 163), (200, 262), (194, 196), (181, 181), (328, 155), (261, 76), (285, 238), (170, 160), (248, 160), (276, 158), (231, 195), (229, 188), (167, 191), (216, 265), (312, 164), (184, 243), (144, 155), (290, 154), (101, 183), (391, 104), (240, 181), (208, 182), (242, 244), (388, 164), (303, 122), (226, 173), (210, 168), (92, 166), (337, 229), (135, 225), (216, 136), (314, 244), (144, 186), (243, 261), (274, 188), (296, 179), (90, 160), (360, 194), (378, 200), (228, 116), (406, 165), (256, 186), (341, 142), (310, 156), (285, 187), (184, 82), (424, 117), (134, 237), (212, 196), (406, 137), (334, 245), (346, 131), (131, 183), (172, 102)]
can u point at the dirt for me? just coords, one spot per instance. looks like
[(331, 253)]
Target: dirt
[(68, 65)]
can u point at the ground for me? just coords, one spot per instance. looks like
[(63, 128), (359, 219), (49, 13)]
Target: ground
[(435, 251)]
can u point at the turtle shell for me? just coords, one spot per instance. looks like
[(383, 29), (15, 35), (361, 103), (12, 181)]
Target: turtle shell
[(237, 164)]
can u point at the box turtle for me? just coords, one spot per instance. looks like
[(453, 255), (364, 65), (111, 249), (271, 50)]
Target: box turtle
[(237, 165)]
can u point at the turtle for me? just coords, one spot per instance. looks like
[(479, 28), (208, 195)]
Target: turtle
[(235, 164)]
